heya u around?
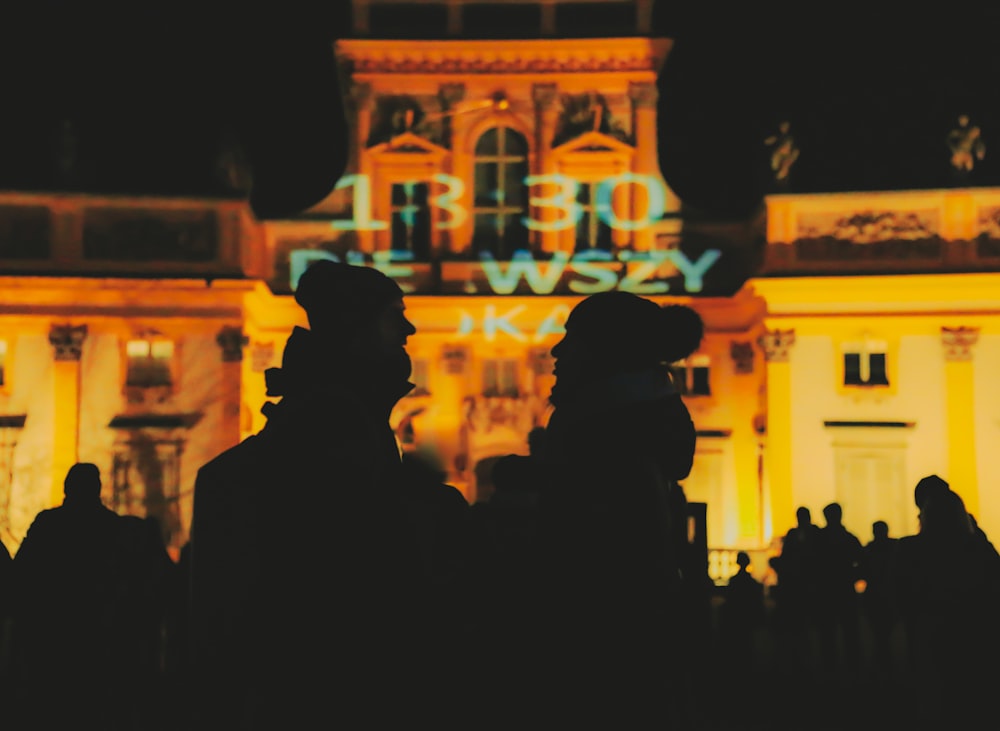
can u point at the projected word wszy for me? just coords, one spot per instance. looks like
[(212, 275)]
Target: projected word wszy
[(563, 198), (585, 274)]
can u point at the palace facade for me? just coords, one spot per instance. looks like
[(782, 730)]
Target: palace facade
[(851, 339)]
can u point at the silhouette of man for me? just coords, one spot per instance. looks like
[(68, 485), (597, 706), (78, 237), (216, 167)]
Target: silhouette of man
[(877, 601), (307, 594), (838, 606), (67, 571), (612, 514)]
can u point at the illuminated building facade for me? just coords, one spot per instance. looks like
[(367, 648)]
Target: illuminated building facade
[(500, 182)]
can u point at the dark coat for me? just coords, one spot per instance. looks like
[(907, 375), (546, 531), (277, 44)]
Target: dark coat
[(306, 577)]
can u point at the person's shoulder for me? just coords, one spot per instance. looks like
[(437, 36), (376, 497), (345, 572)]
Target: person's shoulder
[(240, 455)]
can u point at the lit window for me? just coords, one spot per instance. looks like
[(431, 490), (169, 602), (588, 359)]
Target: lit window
[(692, 376), (499, 195), (500, 377), (411, 222), (3, 362), (865, 364), (149, 363), (591, 230)]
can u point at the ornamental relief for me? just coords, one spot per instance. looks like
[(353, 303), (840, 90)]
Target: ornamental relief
[(867, 227), (503, 65)]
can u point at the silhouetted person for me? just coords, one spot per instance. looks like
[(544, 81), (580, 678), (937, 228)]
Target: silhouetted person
[(68, 572), (796, 570), (140, 623), (505, 586), (612, 521), (837, 608), (947, 585), (742, 615), (877, 601), (309, 595)]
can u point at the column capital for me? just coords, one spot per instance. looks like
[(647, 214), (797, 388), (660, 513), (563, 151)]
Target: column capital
[(958, 342), (644, 95), (361, 94), (231, 340), (544, 95), (742, 353), (776, 344), (67, 341), (451, 94)]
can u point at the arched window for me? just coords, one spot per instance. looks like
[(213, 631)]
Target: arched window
[(499, 196)]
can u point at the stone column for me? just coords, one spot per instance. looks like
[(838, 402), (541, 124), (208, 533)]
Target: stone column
[(231, 341), (67, 346), (645, 98), (745, 440), (777, 345), (961, 412), (546, 116)]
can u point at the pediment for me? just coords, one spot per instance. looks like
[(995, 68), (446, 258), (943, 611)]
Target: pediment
[(594, 142), (408, 143)]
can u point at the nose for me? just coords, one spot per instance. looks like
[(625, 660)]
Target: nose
[(408, 327), (556, 348)]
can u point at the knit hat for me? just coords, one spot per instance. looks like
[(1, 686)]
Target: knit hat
[(339, 297), (632, 331)]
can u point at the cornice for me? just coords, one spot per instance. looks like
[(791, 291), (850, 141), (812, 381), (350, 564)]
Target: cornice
[(605, 55)]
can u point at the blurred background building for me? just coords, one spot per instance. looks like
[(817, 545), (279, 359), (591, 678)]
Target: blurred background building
[(502, 161)]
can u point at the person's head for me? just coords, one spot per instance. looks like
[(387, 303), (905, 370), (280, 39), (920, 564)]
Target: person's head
[(357, 311), (743, 560), (82, 483), (803, 517), (944, 516), (619, 332), (880, 530), (927, 487), (833, 514)]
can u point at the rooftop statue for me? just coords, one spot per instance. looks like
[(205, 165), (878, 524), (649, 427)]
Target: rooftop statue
[(966, 145), (784, 153)]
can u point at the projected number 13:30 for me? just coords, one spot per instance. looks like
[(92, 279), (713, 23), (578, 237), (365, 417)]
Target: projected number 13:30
[(564, 200)]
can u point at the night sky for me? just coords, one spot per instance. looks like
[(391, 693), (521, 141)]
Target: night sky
[(152, 89)]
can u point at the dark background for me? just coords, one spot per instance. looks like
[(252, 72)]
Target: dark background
[(152, 89)]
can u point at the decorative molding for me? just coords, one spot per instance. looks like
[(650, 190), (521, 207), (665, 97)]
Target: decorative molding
[(742, 353), (232, 341), (544, 95), (644, 96), (470, 57), (866, 227), (869, 424), (958, 342), (155, 421), (776, 345), (67, 341)]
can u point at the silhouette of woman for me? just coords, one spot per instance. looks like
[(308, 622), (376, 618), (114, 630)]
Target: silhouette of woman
[(612, 516)]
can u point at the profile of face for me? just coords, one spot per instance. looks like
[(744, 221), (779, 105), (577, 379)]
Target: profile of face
[(389, 336), (572, 355)]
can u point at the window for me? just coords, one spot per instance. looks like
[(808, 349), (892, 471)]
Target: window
[(500, 377), (592, 233), (499, 195), (149, 363), (411, 221), (865, 364), (692, 376)]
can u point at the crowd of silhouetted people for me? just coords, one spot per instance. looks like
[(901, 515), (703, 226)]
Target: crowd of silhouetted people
[(332, 581)]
